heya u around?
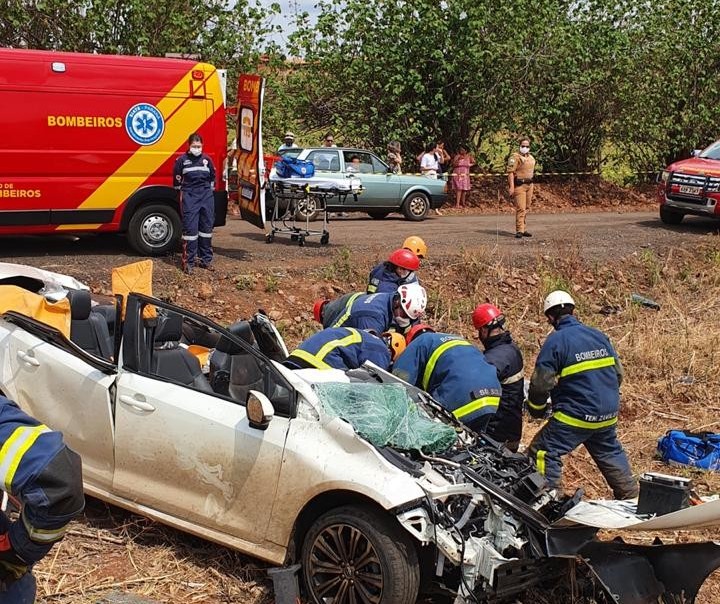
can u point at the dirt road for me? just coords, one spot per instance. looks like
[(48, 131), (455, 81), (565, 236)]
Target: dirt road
[(594, 235)]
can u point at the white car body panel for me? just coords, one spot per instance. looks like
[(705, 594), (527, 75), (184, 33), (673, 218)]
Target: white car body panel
[(46, 381), (196, 457)]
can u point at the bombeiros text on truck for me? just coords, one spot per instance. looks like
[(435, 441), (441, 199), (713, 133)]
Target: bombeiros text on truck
[(93, 139)]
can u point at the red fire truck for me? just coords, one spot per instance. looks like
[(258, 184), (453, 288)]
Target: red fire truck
[(89, 143)]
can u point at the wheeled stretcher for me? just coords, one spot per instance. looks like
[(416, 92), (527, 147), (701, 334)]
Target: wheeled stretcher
[(293, 194)]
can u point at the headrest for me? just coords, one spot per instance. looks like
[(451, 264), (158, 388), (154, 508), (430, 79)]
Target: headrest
[(80, 304), (169, 328), (242, 330)]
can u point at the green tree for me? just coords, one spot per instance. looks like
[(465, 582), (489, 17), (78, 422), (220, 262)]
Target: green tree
[(670, 92), (228, 33), (380, 70)]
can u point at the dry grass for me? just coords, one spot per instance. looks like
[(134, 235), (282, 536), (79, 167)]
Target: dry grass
[(671, 358)]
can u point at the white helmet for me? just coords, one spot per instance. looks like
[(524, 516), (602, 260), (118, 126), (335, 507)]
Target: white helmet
[(413, 299), (557, 298)]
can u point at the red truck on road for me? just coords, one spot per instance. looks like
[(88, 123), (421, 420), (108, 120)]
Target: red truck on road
[(691, 186)]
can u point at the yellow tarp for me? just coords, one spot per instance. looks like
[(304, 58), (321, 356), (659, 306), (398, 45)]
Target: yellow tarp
[(55, 314), (134, 278)]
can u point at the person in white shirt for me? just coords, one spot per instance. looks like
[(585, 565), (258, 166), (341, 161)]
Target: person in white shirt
[(430, 166), (288, 142)]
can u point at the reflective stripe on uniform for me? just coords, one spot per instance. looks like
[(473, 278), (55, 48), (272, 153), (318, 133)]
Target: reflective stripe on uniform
[(430, 367), (477, 404), (540, 461), (513, 378), (581, 423), (206, 235), (43, 535), (317, 359), (309, 358), (587, 366), (353, 338), (348, 310), (536, 407), (196, 169), (189, 237), (14, 449)]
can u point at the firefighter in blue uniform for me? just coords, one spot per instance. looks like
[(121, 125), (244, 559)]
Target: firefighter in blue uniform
[(374, 312), (453, 372), (397, 270), (580, 370), (503, 354), (345, 348), (45, 477), (194, 177)]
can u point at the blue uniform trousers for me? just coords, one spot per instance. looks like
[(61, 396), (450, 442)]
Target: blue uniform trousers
[(556, 439), (198, 218), (21, 591)]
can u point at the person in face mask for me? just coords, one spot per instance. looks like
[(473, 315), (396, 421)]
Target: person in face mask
[(194, 177), (521, 170)]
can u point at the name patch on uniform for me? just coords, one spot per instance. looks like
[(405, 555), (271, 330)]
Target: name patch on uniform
[(144, 124), (588, 355)]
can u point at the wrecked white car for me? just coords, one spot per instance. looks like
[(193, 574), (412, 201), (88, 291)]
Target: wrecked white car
[(359, 477)]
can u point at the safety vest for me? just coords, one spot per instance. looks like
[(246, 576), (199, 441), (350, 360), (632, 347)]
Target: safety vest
[(340, 348)]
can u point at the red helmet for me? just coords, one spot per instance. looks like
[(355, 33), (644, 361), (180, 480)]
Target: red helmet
[(318, 308), (416, 330), (487, 314), (404, 259)]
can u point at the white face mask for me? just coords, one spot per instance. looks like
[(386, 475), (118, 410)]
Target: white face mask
[(402, 321), (524, 150), (196, 151)]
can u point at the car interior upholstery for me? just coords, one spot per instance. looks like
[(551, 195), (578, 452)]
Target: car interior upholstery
[(221, 359), (170, 360), (88, 329)]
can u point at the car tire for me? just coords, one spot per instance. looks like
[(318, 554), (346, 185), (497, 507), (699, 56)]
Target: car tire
[(378, 215), (339, 539), (669, 216), (307, 209), (154, 229), (416, 206)]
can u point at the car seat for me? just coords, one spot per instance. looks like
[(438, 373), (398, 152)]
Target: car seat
[(88, 329), (334, 165), (221, 358), (246, 374), (170, 360)]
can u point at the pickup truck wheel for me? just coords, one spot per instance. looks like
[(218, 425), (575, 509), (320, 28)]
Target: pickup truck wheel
[(307, 210), (416, 206), (355, 554), (154, 230), (669, 216)]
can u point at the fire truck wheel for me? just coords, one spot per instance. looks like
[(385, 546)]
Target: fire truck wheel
[(154, 230)]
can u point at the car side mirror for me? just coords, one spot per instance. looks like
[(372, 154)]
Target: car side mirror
[(696, 152), (260, 410)]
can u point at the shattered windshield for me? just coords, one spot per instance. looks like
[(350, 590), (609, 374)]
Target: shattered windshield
[(385, 415)]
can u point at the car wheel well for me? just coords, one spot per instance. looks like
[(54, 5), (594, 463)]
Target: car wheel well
[(316, 507)]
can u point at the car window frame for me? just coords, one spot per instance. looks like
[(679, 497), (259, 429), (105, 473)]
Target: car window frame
[(331, 151), (55, 337), (136, 359)]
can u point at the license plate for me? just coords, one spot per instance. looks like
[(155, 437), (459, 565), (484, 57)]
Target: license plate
[(690, 190)]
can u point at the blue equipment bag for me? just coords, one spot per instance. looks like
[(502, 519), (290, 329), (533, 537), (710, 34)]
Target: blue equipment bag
[(289, 167), (696, 449)]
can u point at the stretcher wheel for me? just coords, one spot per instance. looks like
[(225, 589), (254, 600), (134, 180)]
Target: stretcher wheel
[(301, 241), (270, 237), (293, 237), (325, 239)]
